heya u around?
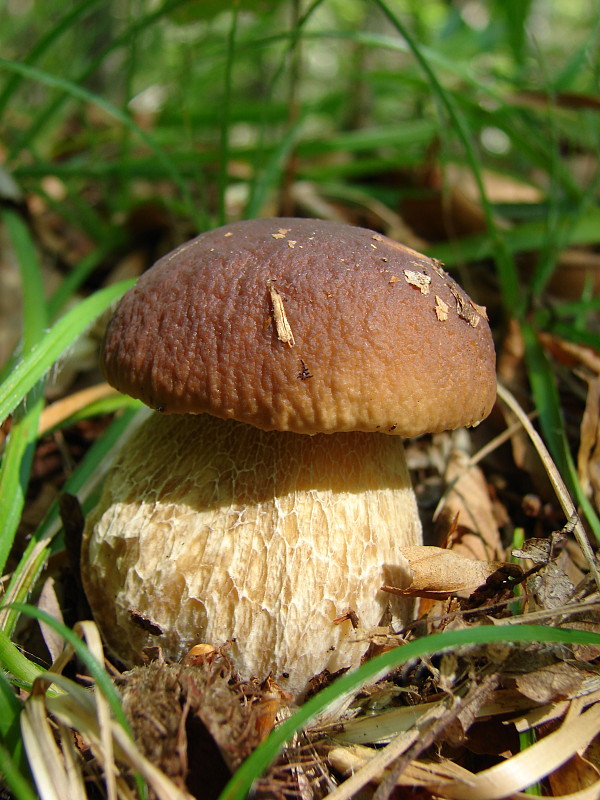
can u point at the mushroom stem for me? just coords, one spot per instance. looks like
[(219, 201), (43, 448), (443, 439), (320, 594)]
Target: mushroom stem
[(212, 530)]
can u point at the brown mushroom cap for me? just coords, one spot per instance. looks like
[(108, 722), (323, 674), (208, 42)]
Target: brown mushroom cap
[(307, 326)]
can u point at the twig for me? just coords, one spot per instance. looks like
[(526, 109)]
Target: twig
[(376, 765), (432, 733)]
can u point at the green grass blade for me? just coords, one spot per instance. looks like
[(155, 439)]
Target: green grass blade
[(43, 45), (526, 740), (78, 92), (75, 279), (10, 708), (272, 172), (547, 401), (16, 665), (225, 118), (18, 456), (122, 40), (33, 561), (62, 334), (94, 667), (18, 784), (573, 334), (16, 468), (584, 230), (34, 308), (13, 764), (240, 784), (507, 272)]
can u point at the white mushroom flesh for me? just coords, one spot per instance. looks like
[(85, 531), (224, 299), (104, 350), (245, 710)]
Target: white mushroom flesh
[(215, 531)]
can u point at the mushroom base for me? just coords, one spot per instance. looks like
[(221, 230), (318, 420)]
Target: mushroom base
[(214, 531)]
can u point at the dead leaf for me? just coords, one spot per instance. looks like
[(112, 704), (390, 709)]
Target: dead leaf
[(576, 271), (541, 551), (437, 571), (442, 210), (537, 550), (512, 372), (550, 587), (588, 457), (477, 534), (550, 683), (577, 774), (584, 652), (570, 353), (50, 603), (499, 187), (481, 310)]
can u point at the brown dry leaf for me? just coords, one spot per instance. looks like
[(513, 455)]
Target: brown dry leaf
[(551, 712), (550, 683), (550, 587), (499, 187), (512, 372), (592, 754), (466, 310), (531, 765), (588, 458), (446, 779), (443, 210), (540, 551), (438, 572), (575, 271), (584, 652), (575, 775), (364, 765), (571, 354), (456, 733), (50, 603), (53, 415), (477, 534), (511, 358)]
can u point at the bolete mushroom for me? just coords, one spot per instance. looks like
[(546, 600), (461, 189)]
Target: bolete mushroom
[(269, 495)]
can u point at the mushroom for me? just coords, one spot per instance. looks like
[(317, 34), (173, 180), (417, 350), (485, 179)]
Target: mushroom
[(268, 500)]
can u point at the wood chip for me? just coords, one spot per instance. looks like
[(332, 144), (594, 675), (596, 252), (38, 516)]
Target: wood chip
[(418, 279), (284, 331), (441, 309), (481, 310), (437, 265), (464, 308)]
